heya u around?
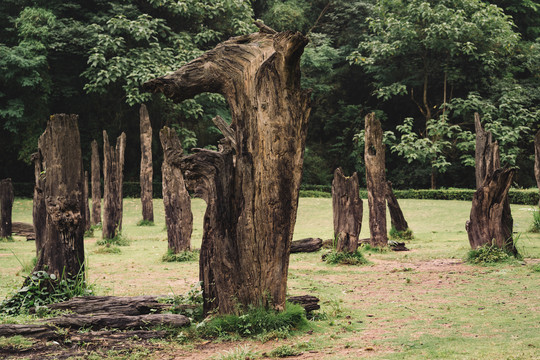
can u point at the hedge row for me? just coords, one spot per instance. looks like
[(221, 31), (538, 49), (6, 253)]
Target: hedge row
[(517, 196)]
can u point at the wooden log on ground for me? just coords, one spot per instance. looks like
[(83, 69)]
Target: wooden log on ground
[(86, 206), (6, 207), (146, 173), (37, 331), (23, 229), (537, 160), (176, 199), (117, 336), (396, 215), (123, 305), (397, 246), (39, 212), (347, 210), (113, 175), (306, 245), (374, 157), (308, 302), (117, 321), (96, 185)]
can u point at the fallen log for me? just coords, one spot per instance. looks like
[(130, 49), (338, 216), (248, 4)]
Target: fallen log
[(46, 332), (23, 229), (116, 336), (397, 246), (117, 305), (308, 302), (306, 245), (116, 321)]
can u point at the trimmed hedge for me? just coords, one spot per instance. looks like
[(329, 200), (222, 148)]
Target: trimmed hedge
[(517, 196)]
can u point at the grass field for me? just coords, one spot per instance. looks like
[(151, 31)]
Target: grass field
[(422, 304)]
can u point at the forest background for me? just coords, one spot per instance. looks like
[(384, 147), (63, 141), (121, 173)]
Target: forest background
[(424, 67)]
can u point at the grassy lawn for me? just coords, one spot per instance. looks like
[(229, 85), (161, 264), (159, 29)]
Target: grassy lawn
[(421, 304)]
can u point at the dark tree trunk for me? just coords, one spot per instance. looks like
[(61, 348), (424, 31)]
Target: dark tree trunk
[(6, 207), (176, 199), (62, 251), (146, 165), (39, 211), (96, 185), (347, 209), (537, 160), (491, 218), (252, 189), (113, 169), (306, 245), (86, 206), (396, 215), (376, 181)]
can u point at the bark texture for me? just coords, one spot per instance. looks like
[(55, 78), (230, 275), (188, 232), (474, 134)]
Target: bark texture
[(176, 199), (122, 305), (374, 158), (537, 160), (396, 215), (491, 218), (251, 187), (146, 165), (347, 209), (6, 207), (39, 212), (62, 250), (96, 185), (306, 245), (86, 206), (113, 176)]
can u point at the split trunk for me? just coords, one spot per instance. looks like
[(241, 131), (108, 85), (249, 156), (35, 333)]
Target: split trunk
[(347, 211), (396, 215), (251, 185), (113, 169), (6, 207), (96, 185), (39, 213), (146, 165)]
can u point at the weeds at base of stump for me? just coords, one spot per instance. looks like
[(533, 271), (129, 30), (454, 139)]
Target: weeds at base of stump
[(345, 258), (144, 222), (181, 256)]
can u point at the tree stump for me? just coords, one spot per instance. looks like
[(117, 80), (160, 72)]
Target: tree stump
[(491, 220), (537, 160), (251, 200), (86, 206), (39, 212), (146, 165), (62, 250), (347, 209), (96, 185), (396, 215), (6, 207), (113, 175), (374, 158), (176, 199)]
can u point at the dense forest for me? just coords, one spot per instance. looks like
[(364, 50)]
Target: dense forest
[(424, 66)]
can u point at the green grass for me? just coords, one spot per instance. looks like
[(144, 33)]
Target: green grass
[(422, 304)]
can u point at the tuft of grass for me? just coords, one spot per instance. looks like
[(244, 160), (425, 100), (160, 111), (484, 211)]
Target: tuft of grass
[(7, 239), (535, 268), (255, 321), (489, 255), (345, 258), (401, 235), (118, 240), (373, 249), (144, 222), (17, 342), (285, 351), (107, 249), (181, 256), (239, 353), (535, 226)]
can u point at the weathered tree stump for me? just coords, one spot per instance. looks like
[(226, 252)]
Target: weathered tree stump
[(146, 165), (396, 215), (491, 220), (251, 201), (113, 175), (96, 185), (176, 199), (62, 251), (6, 207), (86, 206), (537, 160), (306, 245), (39, 211), (347, 209), (374, 158)]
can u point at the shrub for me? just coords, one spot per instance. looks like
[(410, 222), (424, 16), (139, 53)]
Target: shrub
[(107, 249), (535, 226), (345, 258), (181, 256), (190, 304), (144, 222), (285, 351), (488, 255), (401, 235)]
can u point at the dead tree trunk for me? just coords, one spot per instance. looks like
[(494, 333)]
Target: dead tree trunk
[(113, 169), (537, 160), (396, 215), (347, 209), (6, 207), (146, 165), (374, 158), (176, 199), (96, 185), (86, 207), (39, 212), (252, 201), (491, 218), (62, 250)]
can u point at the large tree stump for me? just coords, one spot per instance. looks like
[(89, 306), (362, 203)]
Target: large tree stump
[(176, 199), (537, 160), (252, 201), (347, 208), (396, 215), (374, 158), (62, 250), (39, 212), (146, 165), (96, 185), (113, 175), (6, 207), (491, 220), (86, 206)]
